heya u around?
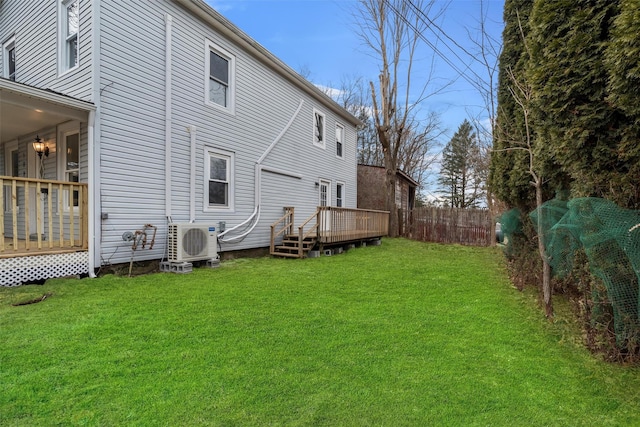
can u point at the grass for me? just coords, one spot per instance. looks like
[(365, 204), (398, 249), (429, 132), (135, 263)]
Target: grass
[(402, 334)]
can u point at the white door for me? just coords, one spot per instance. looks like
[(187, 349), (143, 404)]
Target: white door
[(325, 200)]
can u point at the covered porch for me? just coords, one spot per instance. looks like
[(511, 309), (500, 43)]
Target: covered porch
[(45, 145)]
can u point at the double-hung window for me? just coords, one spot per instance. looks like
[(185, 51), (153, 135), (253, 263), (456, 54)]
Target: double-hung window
[(219, 167), (340, 194), (339, 139), (9, 59), (72, 164), (68, 39), (220, 77), (318, 129)]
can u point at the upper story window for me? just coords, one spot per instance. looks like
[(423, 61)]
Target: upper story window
[(339, 139), (219, 172), (9, 59), (318, 129), (220, 77), (68, 39)]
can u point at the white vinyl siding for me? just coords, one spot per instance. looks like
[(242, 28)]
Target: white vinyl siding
[(69, 30), (220, 77)]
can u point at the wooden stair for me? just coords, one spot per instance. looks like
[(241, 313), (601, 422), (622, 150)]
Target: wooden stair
[(291, 247)]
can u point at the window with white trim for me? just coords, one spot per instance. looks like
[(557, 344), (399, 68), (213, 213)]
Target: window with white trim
[(9, 59), (318, 129), (340, 194), (11, 168), (220, 77), (219, 172), (71, 155), (339, 139), (69, 19)]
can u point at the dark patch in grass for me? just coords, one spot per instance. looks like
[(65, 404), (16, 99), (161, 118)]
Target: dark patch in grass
[(33, 301)]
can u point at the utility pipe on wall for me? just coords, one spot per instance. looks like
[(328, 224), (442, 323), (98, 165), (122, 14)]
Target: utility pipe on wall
[(258, 183), (167, 115)]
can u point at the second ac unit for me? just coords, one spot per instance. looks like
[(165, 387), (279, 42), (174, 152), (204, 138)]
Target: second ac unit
[(192, 242)]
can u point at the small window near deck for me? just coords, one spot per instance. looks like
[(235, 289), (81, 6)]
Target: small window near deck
[(339, 195)]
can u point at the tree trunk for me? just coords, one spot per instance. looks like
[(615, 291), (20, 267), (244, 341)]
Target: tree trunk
[(546, 268)]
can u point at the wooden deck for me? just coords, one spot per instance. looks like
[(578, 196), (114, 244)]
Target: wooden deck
[(329, 226)]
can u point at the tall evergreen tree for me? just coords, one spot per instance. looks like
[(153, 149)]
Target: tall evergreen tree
[(621, 60), (569, 82), (508, 177), (458, 178)]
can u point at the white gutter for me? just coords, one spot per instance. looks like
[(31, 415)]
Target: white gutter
[(167, 116), (93, 148)]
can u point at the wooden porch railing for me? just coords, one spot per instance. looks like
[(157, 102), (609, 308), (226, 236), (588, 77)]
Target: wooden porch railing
[(327, 226), (42, 216), (343, 225)]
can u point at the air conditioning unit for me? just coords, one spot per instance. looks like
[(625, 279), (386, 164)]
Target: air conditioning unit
[(192, 242)]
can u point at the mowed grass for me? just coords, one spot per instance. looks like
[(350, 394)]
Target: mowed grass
[(405, 333)]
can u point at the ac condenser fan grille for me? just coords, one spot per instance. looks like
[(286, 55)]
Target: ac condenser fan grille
[(194, 242)]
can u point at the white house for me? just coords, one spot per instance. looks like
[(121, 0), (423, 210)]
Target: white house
[(120, 117)]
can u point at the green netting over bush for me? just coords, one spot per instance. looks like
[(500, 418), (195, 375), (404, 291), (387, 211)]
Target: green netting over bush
[(510, 224), (610, 237)]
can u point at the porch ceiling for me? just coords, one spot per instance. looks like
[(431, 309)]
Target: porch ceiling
[(25, 109)]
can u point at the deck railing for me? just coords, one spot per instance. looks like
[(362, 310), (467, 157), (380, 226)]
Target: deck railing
[(42, 216), (343, 224)]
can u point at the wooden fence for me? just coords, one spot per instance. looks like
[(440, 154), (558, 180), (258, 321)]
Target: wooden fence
[(471, 227)]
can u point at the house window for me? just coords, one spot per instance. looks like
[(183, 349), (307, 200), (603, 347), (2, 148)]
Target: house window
[(219, 167), (318, 128), (72, 163), (340, 195), (220, 74), (69, 29), (339, 139), (11, 168), (9, 59)]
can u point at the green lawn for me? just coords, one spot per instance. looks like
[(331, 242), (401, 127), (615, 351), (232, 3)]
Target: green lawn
[(402, 334)]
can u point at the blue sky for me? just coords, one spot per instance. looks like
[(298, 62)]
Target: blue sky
[(319, 37)]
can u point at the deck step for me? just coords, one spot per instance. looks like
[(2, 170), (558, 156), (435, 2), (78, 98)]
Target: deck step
[(290, 247)]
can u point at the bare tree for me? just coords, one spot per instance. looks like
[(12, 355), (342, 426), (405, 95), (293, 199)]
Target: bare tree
[(392, 29)]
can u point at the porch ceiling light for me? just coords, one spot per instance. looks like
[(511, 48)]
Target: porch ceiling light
[(40, 147)]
